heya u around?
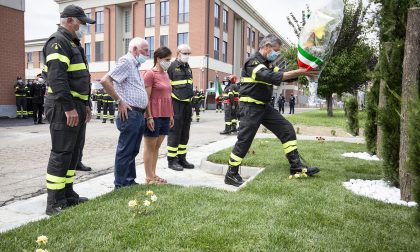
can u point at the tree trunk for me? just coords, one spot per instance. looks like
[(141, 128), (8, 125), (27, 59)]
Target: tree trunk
[(381, 104), (411, 68), (329, 105)]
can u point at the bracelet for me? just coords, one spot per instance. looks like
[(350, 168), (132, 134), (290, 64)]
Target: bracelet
[(150, 118)]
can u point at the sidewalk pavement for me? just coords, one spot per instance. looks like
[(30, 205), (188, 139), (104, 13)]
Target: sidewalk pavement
[(33, 209)]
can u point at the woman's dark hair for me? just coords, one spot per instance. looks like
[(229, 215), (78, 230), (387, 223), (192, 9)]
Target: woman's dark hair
[(161, 52)]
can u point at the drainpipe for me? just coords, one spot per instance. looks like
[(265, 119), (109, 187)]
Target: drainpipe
[(132, 18), (208, 44), (109, 38)]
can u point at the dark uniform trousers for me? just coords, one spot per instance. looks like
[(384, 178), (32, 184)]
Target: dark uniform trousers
[(228, 114), (108, 108), (179, 134), (65, 151), (21, 109), (38, 111), (252, 116)]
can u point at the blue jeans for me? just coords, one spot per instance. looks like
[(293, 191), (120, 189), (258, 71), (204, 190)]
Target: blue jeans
[(131, 132)]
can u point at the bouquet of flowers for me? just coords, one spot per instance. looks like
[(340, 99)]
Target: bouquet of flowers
[(318, 36)]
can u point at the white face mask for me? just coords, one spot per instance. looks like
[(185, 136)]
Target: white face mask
[(41, 80), (164, 64), (184, 58), (83, 30)]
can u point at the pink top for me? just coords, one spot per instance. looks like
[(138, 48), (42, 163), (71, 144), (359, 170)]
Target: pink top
[(160, 99)]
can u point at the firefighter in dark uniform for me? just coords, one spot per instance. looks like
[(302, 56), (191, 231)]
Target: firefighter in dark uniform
[(38, 90), (99, 102), (235, 104), (202, 100), (20, 92), (255, 94), (196, 104), (67, 106), (180, 75), (228, 100), (29, 105), (108, 107)]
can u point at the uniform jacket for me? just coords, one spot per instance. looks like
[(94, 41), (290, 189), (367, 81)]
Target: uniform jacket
[(66, 69)]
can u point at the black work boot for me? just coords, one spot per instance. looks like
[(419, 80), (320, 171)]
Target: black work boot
[(296, 166), (173, 164), (56, 201), (112, 121), (103, 120), (233, 129), (184, 163), (72, 197), (226, 131), (232, 176)]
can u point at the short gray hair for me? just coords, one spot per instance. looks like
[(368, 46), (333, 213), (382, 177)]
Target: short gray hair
[(136, 42), (271, 40), (183, 47)]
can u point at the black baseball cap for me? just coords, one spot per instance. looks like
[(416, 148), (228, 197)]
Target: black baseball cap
[(77, 12)]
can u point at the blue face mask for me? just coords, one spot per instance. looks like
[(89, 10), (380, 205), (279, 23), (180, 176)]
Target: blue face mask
[(141, 59), (272, 56)]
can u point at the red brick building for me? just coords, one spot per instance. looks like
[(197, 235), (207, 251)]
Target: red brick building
[(12, 53)]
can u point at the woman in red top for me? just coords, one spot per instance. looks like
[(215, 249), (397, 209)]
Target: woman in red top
[(159, 112)]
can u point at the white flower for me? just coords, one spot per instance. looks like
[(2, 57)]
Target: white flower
[(41, 250), (132, 203), (153, 198), (146, 203), (42, 240), (149, 193), (297, 175)]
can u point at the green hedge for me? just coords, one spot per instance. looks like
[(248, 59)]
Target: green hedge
[(414, 151), (352, 109), (371, 126)]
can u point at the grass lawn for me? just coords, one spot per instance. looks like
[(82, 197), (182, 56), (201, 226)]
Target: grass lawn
[(319, 117), (272, 213)]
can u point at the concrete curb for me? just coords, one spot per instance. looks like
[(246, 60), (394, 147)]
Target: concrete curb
[(246, 172)]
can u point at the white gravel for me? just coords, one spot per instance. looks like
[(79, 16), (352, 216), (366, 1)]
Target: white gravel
[(377, 189), (361, 155)]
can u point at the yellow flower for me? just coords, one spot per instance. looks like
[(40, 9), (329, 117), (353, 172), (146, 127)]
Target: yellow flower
[(132, 203), (41, 250), (304, 175), (153, 198), (320, 32), (149, 193), (42, 240), (146, 203), (297, 175), (290, 177), (304, 170)]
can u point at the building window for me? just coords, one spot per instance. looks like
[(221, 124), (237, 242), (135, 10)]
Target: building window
[(41, 58), (225, 50), (253, 39), (183, 11), (150, 15), (87, 52), (126, 43), (216, 15), (248, 35), (225, 20), (216, 48), (164, 12), (99, 51), (99, 26), (151, 42), (29, 56), (164, 40), (182, 38), (88, 25), (127, 21)]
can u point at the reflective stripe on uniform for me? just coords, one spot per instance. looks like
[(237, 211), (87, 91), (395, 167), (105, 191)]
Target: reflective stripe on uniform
[(256, 69), (290, 146), (60, 57), (74, 94), (76, 67), (52, 186), (246, 80), (172, 151), (55, 179), (181, 82), (55, 182), (182, 149), (176, 98), (276, 69), (249, 99)]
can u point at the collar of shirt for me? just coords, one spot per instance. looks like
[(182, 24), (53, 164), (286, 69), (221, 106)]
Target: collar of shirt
[(133, 59), (180, 64), (68, 35), (260, 58)]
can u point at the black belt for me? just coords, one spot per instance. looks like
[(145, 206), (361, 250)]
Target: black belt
[(138, 109)]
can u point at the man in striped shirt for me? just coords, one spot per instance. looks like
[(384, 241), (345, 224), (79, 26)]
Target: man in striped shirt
[(126, 86)]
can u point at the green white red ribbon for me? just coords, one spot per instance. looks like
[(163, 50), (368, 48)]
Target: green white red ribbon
[(307, 60)]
